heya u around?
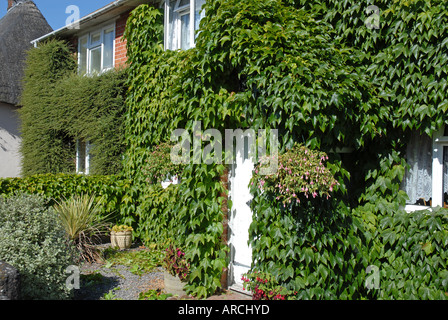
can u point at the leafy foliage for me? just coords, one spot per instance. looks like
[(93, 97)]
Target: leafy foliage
[(60, 106), (300, 171), (153, 295), (156, 218), (405, 58), (160, 166), (315, 72), (32, 240), (175, 262), (81, 219), (264, 287), (110, 190)]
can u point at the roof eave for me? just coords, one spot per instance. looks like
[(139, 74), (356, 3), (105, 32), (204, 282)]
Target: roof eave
[(71, 28)]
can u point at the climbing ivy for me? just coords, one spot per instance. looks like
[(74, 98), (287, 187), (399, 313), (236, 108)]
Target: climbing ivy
[(316, 72)]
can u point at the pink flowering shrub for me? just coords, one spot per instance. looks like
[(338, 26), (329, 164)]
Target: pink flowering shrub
[(301, 171), (175, 262), (159, 165), (264, 287)]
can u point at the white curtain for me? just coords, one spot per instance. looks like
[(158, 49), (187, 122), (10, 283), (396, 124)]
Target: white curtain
[(417, 182)]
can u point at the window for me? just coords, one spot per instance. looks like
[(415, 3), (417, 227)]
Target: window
[(96, 51), (82, 157), (180, 27), (426, 181)]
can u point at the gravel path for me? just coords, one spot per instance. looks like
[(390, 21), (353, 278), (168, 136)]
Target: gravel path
[(116, 282)]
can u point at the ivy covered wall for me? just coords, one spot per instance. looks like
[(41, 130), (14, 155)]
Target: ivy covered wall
[(316, 72), (59, 107)]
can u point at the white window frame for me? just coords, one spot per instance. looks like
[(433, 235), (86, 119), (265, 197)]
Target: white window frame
[(439, 141), (180, 11), (96, 45)]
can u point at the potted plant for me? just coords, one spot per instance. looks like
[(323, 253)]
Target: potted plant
[(176, 271), (121, 236)]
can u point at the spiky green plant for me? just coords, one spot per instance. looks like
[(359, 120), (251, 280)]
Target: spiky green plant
[(80, 217)]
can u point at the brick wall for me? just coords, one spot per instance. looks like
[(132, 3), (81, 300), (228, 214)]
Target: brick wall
[(120, 43)]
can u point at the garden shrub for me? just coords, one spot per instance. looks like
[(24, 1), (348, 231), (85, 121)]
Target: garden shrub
[(44, 150), (80, 216), (32, 241), (322, 249)]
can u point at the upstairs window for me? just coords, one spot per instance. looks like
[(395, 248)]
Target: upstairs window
[(182, 18), (96, 51)]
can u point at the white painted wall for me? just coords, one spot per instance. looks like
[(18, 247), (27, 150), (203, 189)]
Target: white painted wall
[(10, 158)]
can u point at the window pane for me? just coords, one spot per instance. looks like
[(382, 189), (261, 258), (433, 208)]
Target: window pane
[(108, 59), (199, 13), (183, 4), (170, 28), (95, 60), (83, 55), (185, 31), (95, 38), (81, 156), (417, 181)]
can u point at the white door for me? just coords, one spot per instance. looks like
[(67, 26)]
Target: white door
[(240, 217)]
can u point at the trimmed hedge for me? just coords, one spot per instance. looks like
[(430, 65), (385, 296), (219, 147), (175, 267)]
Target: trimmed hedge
[(112, 189), (60, 107)]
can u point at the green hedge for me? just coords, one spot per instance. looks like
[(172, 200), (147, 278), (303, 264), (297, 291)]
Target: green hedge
[(60, 107), (111, 189)]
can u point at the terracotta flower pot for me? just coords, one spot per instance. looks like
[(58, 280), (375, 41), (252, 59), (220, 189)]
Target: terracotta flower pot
[(122, 240)]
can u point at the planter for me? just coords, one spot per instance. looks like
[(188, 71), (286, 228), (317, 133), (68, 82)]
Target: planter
[(173, 285), (122, 240)]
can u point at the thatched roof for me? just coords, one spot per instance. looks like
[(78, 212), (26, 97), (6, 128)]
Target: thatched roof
[(21, 24)]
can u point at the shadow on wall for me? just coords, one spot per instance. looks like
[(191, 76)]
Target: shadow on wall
[(9, 141)]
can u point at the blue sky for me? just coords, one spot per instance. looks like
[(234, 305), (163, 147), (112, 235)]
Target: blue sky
[(54, 10)]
